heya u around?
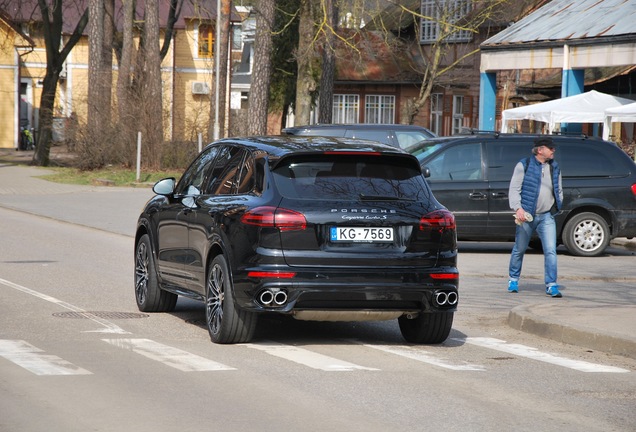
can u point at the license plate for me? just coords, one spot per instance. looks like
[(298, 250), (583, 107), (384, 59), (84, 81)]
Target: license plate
[(358, 234)]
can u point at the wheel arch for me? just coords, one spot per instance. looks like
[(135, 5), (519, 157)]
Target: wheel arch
[(602, 211)]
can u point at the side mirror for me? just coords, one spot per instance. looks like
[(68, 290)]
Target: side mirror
[(426, 172), (165, 187)]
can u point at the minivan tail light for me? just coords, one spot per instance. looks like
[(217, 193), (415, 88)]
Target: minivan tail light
[(634, 189), (438, 219), (283, 219)]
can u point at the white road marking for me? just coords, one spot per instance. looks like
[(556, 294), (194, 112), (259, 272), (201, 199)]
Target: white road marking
[(170, 356), (109, 327), (535, 354), (307, 358), (34, 360), (416, 353)]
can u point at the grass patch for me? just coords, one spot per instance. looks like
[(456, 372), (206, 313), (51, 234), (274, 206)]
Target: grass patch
[(112, 175)]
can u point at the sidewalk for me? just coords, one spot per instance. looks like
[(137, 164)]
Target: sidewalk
[(600, 327)]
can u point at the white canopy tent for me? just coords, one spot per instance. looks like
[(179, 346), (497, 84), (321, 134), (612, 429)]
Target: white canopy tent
[(588, 107), (622, 114)]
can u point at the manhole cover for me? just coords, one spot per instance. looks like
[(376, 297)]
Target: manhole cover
[(104, 315)]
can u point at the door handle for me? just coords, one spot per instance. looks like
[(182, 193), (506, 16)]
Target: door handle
[(499, 195), (477, 196)]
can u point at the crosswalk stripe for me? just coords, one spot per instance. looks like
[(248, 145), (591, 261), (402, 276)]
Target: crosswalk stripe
[(170, 356), (307, 358), (416, 353), (533, 353), (34, 360)]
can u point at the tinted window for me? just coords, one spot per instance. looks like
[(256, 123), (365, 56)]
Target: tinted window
[(382, 136), (589, 159), (503, 156), (192, 180), (224, 175), (457, 163), (348, 178), (408, 138), (245, 180)]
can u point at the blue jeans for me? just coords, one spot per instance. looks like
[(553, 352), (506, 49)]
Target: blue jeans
[(545, 227)]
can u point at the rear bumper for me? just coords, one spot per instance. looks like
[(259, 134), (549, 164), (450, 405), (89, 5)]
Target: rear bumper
[(400, 291)]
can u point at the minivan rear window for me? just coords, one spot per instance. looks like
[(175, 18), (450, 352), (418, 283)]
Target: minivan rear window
[(350, 178)]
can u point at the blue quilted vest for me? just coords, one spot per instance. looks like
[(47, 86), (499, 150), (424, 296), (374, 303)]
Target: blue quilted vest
[(532, 184)]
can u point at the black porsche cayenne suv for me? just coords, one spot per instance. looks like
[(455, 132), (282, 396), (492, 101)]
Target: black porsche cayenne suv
[(325, 229)]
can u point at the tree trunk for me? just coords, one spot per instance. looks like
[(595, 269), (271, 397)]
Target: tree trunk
[(53, 20), (152, 95), (325, 102), (261, 75), (95, 67), (220, 82), (124, 79), (304, 54)]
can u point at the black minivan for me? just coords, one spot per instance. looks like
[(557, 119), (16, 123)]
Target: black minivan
[(470, 175)]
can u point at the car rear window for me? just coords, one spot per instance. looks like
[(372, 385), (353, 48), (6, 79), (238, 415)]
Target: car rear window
[(337, 177)]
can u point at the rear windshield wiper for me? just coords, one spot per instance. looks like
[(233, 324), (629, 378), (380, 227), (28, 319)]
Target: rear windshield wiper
[(364, 197)]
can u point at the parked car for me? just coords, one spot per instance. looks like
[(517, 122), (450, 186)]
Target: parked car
[(397, 135), (316, 228), (470, 174)]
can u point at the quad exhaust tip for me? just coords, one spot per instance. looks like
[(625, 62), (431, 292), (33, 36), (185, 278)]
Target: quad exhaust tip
[(446, 298), (272, 297)]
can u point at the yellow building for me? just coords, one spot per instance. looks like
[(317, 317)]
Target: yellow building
[(187, 71)]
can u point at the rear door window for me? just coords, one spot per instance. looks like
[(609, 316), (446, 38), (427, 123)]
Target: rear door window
[(589, 159), (503, 156)]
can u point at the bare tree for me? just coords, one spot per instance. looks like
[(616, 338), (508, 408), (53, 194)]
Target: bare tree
[(261, 75), (95, 67), (220, 82), (56, 54), (305, 54), (325, 101), (152, 114), (443, 54)]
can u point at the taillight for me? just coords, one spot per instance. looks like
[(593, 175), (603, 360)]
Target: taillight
[(634, 189), (283, 219), (438, 219), (269, 274), (444, 276)]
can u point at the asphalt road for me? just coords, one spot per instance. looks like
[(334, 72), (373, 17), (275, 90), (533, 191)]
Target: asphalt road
[(76, 355)]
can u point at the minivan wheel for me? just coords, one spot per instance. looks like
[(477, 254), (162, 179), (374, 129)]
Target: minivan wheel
[(149, 297), (586, 234), (427, 328), (226, 323)]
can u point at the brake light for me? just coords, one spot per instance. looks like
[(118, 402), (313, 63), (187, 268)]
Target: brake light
[(283, 219), (353, 153), (444, 276), (266, 274), (438, 219), (634, 189)]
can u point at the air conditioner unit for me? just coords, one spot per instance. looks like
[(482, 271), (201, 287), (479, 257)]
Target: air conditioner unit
[(200, 88)]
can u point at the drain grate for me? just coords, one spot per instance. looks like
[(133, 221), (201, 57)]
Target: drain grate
[(104, 315)]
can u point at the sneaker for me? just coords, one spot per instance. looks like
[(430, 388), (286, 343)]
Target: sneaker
[(553, 291), (513, 286)]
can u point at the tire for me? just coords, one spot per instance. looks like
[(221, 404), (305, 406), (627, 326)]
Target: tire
[(586, 234), (226, 323), (149, 297), (427, 328)]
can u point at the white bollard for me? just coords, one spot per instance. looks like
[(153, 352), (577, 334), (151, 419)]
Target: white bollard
[(138, 156)]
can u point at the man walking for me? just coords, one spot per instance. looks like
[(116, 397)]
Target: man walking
[(536, 195)]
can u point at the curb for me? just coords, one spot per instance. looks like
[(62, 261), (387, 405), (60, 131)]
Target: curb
[(521, 318)]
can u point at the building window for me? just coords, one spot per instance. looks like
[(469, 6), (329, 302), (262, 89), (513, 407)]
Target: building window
[(346, 108), (237, 38), (205, 41), (441, 14), (379, 109), (458, 114), (437, 111)]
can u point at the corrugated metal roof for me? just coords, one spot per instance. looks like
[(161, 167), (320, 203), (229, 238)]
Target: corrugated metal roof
[(570, 20)]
